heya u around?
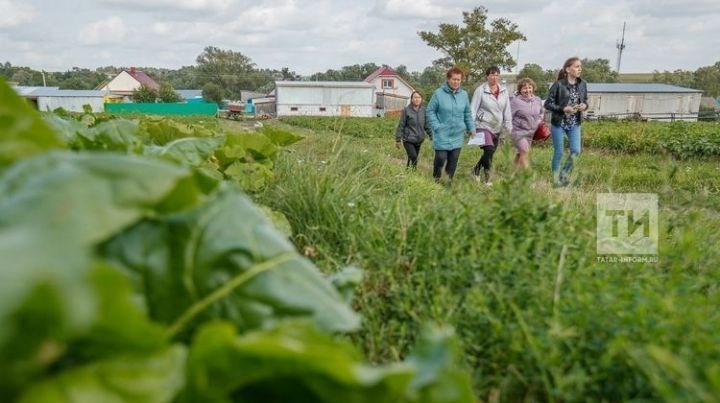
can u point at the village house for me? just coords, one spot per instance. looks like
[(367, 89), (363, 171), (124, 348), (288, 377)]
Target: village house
[(392, 92), (125, 82)]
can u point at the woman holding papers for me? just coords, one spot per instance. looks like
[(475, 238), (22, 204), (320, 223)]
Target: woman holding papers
[(491, 113)]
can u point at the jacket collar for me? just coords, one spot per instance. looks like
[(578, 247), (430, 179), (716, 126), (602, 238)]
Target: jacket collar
[(449, 90), (486, 88)]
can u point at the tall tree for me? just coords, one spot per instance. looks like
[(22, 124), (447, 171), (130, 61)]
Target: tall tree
[(678, 77), (598, 71), (474, 46), (212, 92), (708, 79), (228, 69), (543, 79)]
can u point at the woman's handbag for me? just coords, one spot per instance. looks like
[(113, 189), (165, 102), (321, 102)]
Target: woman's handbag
[(542, 132)]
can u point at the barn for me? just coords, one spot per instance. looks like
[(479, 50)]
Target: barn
[(50, 98), (652, 101), (324, 98)]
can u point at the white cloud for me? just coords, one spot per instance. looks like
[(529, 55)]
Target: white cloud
[(104, 32), (322, 34), (15, 13)]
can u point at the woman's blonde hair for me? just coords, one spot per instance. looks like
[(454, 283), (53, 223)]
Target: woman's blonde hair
[(523, 82)]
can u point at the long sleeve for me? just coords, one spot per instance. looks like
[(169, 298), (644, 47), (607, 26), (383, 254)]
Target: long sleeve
[(469, 120), (431, 114), (476, 100), (550, 102), (401, 126), (507, 116), (426, 127)]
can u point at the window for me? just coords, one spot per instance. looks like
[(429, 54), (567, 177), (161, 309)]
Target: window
[(322, 109), (388, 83), (293, 109)]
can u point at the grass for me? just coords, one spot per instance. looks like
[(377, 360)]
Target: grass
[(514, 268)]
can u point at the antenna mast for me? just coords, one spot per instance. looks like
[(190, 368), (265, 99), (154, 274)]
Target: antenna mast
[(620, 46)]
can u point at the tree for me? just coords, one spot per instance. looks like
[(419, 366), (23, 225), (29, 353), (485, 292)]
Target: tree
[(598, 71), (212, 92), (228, 69), (167, 93), (474, 47), (356, 72), (708, 79), (543, 79), (144, 94), (678, 77)]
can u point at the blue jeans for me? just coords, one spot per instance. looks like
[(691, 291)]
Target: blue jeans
[(558, 139)]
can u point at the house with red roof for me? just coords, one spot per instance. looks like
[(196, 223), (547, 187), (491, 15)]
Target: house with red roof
[(392, 92), (127, 81)]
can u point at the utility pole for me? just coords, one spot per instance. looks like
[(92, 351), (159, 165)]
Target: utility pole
[(620, 46), (43, 76), (517, 59)]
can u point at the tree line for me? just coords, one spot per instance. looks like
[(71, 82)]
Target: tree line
[(473, 45)]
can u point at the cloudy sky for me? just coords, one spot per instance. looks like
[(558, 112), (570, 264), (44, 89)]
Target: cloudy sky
[(311, 36)]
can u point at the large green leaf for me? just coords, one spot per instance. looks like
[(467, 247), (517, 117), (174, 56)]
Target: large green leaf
[(225, 260), (280, 137), (193, 151), (88, 197), (154, 378), (54, 208), (247, 147), (294, 362), (112, 135), (69, 129), (251, 176), (22, 130)]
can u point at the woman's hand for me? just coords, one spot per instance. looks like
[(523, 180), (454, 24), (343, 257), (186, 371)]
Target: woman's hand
[(581, 107), (569, 109)]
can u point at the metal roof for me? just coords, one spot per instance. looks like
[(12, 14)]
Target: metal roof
[(637, 87), (54, 92), (189, 94), (328, 84), (24, 90)]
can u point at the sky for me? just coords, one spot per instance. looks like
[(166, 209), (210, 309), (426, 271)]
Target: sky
[(313, 36)]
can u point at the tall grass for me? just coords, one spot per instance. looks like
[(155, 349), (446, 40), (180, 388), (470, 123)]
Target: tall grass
[(514, 267)]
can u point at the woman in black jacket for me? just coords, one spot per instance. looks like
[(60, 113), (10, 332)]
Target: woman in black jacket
[(567, 101), (412, 128)]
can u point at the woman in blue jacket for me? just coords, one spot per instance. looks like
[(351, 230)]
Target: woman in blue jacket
[(567, 101), (450, 118)]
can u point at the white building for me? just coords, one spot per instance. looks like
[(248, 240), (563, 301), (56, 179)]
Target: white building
[(649, 100), (324, 98), (125, 82), (47, 99), (392, 92)]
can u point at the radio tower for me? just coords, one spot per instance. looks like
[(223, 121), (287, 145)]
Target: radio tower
[(620, 46)]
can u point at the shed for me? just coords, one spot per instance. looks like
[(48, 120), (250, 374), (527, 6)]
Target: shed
[(51, 98), (324, 98), (652, 101), (392, 92)]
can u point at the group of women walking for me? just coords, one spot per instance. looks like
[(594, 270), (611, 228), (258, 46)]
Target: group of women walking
[(451, 114)]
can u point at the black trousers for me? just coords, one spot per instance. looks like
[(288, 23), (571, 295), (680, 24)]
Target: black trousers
[(448, 159), (486, 159), (412, 150)]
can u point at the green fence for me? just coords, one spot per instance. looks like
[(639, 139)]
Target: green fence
[(195, 108)]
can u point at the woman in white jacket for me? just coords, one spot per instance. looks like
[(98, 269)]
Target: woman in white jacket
[(491, 112)]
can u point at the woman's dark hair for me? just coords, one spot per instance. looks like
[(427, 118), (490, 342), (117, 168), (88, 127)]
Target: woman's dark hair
[(492, 70), (569, 62), (415, 92), (455, 70)]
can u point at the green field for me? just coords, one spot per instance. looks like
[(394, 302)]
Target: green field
[(514, 268), (202, 260)]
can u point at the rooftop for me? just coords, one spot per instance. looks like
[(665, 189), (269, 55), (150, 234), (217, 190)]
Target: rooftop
[(638, 87), (328, 84)]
